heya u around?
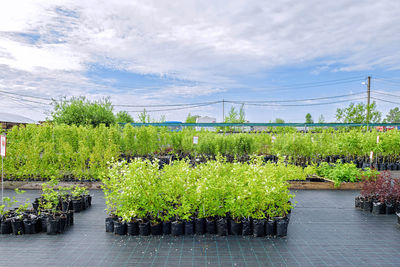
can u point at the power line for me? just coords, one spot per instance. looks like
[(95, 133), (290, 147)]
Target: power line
[(384, 93), (170, 105), (18, 94), (300, 105), (296, 100), (26, 100), (387, 101), (349, 79), (173, 109)]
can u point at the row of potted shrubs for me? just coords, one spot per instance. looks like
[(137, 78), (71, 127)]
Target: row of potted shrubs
[(52, 212), (380, 194), (139, 193), (200, 226)]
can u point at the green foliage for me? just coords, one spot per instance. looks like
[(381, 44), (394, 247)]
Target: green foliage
[(144, 117), (139, 190), (358, 113), (279, 120), (309, 119), (62, 151), (124, 117), (393, 116), (235, 116), (191, 119), (321, 119), (80, 111), (343, 172)]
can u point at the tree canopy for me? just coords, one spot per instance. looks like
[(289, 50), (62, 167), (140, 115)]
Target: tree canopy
[(124, 117), (235, 116), (393, 116), (81, 111), (309, 118), (358, 113)]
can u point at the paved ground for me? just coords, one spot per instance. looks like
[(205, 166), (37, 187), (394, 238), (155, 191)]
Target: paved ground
[(325, 229)]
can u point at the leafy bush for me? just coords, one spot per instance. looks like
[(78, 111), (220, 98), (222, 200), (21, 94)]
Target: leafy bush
[(140, 191), (343, 172)]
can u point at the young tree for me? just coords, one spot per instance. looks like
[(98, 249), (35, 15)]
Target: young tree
[(279, 120), (236, 117), (321, 119), (124, 117), (309, 118), (393, 116), (80, 111), (144, 117), (358, 113), (191, 119)]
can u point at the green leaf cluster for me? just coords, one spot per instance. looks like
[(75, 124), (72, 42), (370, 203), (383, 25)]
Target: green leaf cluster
[(140, 191)]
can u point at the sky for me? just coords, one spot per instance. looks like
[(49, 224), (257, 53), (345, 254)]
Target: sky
[(273, 56)]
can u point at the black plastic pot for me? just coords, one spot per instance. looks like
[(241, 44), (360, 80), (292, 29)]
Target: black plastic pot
[(35, 205), (270, 227), (281, 227), (89, 197), (77, 205), (17, 226), (44, 223), (109, 225), (83, 203), (390, 208), (166, 228), (222, 227), (63, 224), (189, 227), (357, 202), (235, 227), (52, 226), (246, 227), (156, 229), (144, 228), (5, 227), (38, 225), (64, 206), (29, 226), (378, 208), (259, 228), (86, 202), (120, 228), (211, 227), (132, 228), (367, 205), (200, 226), (71, 217), (177, 228)]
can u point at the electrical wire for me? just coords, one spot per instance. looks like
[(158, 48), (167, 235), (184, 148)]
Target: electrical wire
[(383, 100), (27, 100), (18, 94), (296, 100), (170, 105), (302, 105), (384, 93), (173, 109)]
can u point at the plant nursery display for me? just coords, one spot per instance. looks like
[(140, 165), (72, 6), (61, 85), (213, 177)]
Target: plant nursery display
[(380, 194), (344, 172), (39, 152), (215, 197), (52, 213)]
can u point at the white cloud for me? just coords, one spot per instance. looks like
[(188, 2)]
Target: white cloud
[(209, 42)]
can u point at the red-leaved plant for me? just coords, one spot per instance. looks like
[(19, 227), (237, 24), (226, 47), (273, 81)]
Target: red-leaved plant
[(381, 188)]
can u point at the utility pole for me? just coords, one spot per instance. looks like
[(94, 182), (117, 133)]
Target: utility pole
[(223, 110), (369, 98)]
